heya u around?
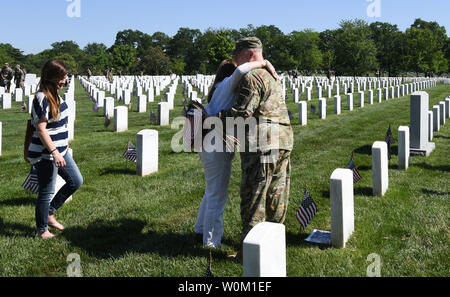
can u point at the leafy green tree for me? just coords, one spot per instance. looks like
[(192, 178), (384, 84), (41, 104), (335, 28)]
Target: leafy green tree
[(390, 47), (97, 58), (305, 50), (69, 61), (215, 46), (161, 39), (426, 44), (123, 57), (156, 62), (183, 46), (355, 51)]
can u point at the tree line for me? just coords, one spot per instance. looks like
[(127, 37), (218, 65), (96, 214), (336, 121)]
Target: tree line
[(355, 48)]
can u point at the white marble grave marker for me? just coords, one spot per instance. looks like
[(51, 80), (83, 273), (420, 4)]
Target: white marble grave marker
[(403, 147), (342, 213), (380, 174), (120, 118), (147, 152), (264, 251)]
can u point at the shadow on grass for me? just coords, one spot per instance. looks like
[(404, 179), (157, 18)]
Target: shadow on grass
[(432, 192), (441, 136), (105, 239), (19, 201), (115, 171), (430, 167), (367, 150), (14, 230), (364, 191)]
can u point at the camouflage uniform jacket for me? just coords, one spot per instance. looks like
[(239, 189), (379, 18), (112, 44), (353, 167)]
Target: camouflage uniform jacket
[(260, 96), (7, 73)]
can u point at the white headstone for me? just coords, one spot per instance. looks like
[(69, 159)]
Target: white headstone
[(30, 103), (380, 173), (350, 101), (322, 108), (361, 99), (302, 113), (264, 251), (370, 97), (430, 126), (342, 213), (6, 101), (101, 99), (419, 125), (120, 118), (379, 95), (147, 152), (436, 118), (337, 104), (403, 147), (109, 107), (126, 97), (18, 95), (442, 112), (447, 108), (142, 103), (163, 113)]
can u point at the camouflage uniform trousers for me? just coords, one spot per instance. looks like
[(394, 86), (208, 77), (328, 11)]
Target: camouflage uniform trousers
[(264, 190)]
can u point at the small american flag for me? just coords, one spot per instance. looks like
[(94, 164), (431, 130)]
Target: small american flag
[(130, 106), (389, 139), (356, 176), (95, 108), (107, 121), (208, 272), (31, 183), (130, 153), (152, 116), (306, 211), (23, 107), (313, 108), (291, 116)]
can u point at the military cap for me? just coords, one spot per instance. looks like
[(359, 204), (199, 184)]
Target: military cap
[(247, 43)]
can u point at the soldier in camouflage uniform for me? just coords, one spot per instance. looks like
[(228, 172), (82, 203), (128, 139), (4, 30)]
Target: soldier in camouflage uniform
[(266, 171), (19, 77), (6, 77)]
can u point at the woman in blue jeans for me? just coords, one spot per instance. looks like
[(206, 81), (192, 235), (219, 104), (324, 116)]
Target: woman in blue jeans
[(48, 150), (217, 165)]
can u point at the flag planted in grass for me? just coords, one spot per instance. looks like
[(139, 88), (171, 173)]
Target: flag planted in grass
[(23, 107), (107, 121), (306, 211), (130, 154), (291, 116), (208, 272), (31, 183), (152, 116), (389, 139), (356, 176), (313, 108), (95, 108)]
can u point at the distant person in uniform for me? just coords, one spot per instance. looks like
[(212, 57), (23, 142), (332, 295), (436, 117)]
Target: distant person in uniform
[(89, 73), (19, 77), (6, 77), (265, 172)]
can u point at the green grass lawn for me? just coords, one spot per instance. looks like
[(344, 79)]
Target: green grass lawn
[(124, 225)]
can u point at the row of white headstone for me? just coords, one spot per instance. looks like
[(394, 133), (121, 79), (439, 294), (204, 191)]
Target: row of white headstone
[(401, 91), (264, 248)]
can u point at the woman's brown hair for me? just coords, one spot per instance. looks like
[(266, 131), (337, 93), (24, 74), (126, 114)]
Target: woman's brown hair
[(226, 69), (52, 72)]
